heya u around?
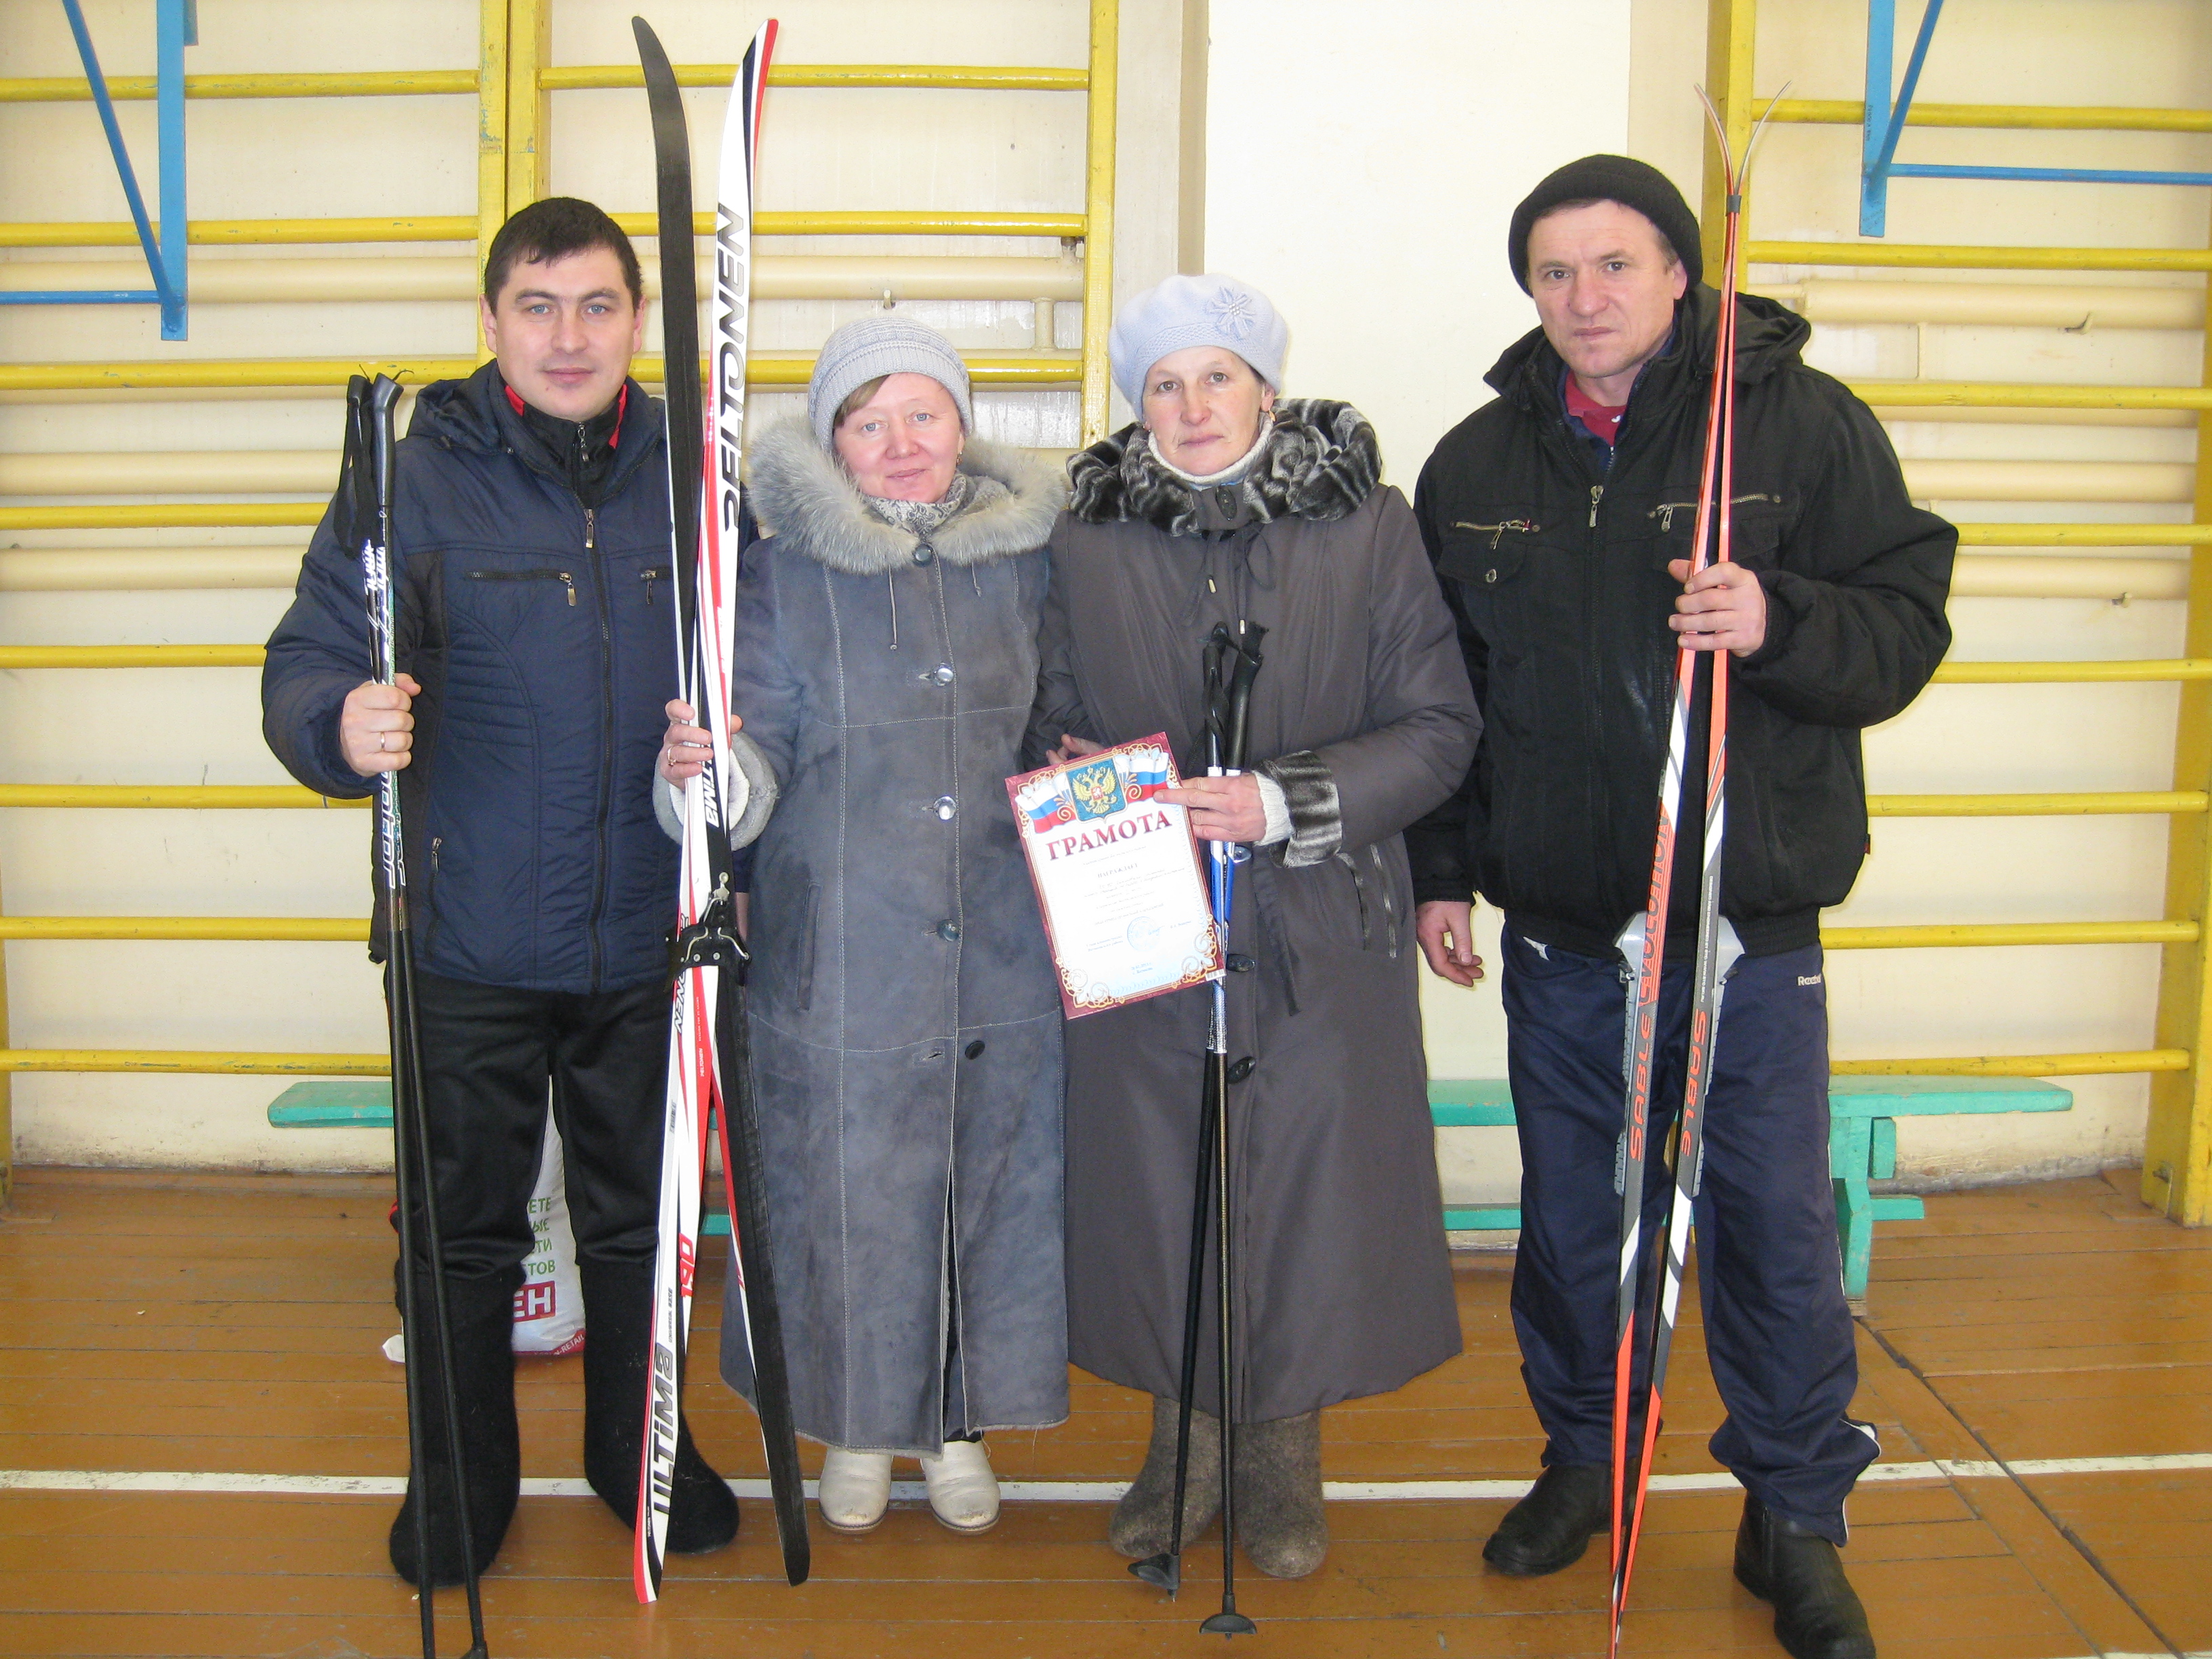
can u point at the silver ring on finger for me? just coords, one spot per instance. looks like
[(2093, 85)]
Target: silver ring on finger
[(381, 737)]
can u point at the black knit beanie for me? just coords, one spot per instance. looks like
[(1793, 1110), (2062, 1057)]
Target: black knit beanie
[(1620, 178)]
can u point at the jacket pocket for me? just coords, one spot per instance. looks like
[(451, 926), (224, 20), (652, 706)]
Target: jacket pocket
[(567, 579), (803, 951), (1757, 519)]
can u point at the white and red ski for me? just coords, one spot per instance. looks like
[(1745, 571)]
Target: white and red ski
[(708, 1070)]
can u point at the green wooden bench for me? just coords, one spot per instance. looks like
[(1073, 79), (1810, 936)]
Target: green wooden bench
[(366, 1103), (1862, 1113)]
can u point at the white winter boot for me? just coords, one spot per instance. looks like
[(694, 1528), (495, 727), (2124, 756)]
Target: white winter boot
[(856, 1487), (961, 1488)]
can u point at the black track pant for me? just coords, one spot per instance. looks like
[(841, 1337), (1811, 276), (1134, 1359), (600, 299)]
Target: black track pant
[(488, 1054), (1778, 1332)]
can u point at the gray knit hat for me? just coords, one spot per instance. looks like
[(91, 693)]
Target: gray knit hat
[(882, 343), (1196, 311)]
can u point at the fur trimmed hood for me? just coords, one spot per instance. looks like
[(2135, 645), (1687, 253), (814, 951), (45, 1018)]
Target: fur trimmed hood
[(802, 492), (1321, 462)]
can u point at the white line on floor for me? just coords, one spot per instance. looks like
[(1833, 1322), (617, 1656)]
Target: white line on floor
[(1066, 1492)]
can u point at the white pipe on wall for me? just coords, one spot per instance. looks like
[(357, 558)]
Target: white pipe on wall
[(2050, 481), (2018, 305)]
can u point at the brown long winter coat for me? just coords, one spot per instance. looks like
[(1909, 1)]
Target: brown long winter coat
[(1362, 713)]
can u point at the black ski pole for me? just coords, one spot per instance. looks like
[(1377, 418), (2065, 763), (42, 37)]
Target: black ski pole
[(1165, 1568), (1245, 648), (369, 460)]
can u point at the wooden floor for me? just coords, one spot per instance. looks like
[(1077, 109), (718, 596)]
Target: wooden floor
[(231, 1326)]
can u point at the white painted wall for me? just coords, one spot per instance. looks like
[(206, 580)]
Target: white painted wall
[(1360, 167), (821, 149), (1367, 186)]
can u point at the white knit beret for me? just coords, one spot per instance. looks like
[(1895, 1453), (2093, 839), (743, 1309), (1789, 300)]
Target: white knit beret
[(1196, 311)]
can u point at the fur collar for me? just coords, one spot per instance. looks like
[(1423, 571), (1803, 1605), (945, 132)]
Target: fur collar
[(801, 492), (1321, 463)]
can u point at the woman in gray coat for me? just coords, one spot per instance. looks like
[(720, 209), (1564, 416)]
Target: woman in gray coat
[(1225, 505), (906, 1026)]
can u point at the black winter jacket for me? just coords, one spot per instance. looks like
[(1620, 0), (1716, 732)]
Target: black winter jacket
[(540, 632), (1557, 570)]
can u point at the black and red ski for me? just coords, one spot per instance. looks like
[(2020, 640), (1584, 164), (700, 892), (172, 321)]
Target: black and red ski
[(1643, 943), (709, 1070)]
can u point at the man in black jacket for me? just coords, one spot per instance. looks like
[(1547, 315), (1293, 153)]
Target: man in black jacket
[(531, 538), (1560, 517)]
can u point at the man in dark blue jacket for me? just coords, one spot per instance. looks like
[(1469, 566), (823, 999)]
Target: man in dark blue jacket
[(1561, 516), (532, 558)]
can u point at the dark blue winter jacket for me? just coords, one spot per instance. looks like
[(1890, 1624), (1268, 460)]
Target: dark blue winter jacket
[(541, 634)]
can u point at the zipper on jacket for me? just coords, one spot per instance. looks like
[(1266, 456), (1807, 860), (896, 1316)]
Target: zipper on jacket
[(1497, 531), (1665, 511), (1597, 495), (1389, 905), (605, 805), (649, 577), (430, 896), (565, 578)]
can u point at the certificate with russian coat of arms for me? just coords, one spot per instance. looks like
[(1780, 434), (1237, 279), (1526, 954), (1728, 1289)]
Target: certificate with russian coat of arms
[(1117, 876)]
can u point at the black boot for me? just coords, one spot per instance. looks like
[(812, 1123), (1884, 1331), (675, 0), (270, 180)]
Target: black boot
[(1145, 1518), (482, 1311), (702, 1511), (1549, 1529), (1817, 1613)]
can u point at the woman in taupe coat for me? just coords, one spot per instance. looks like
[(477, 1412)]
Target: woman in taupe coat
[(1225, 505)]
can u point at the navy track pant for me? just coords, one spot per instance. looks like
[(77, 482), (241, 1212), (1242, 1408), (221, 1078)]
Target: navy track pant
[(1778, 1332)]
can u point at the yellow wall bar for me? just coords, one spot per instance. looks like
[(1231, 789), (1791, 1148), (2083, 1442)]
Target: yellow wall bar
[(873, 222), (131, 656), (2070, 673), (222, 797), (1946, 934), (1098, 217), (1944, 257), (2005, 394), (370, 83), (190, 1059), (245, 232), (2034, 806), (529, 108), (158, 516), (2114, 1064), (2084, 535), (346, 928), (1731, 36), (2177, 1167), (491, 131), (1040, 369), (274, 233), (987, 78), (2074, 118)]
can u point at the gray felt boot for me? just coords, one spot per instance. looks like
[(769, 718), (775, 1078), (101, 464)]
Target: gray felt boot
[(1279, 1514), (1145, 1517)]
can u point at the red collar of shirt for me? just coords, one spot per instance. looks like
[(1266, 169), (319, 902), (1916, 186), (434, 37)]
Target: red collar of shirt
[(1603, 421), (622, 407)]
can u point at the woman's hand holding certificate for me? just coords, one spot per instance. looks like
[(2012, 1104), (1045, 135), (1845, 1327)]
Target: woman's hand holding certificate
[(1109, 842)]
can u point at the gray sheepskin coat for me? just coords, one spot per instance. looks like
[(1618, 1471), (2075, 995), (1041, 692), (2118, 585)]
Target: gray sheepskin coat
[(1363, 713), (906, 1024)]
